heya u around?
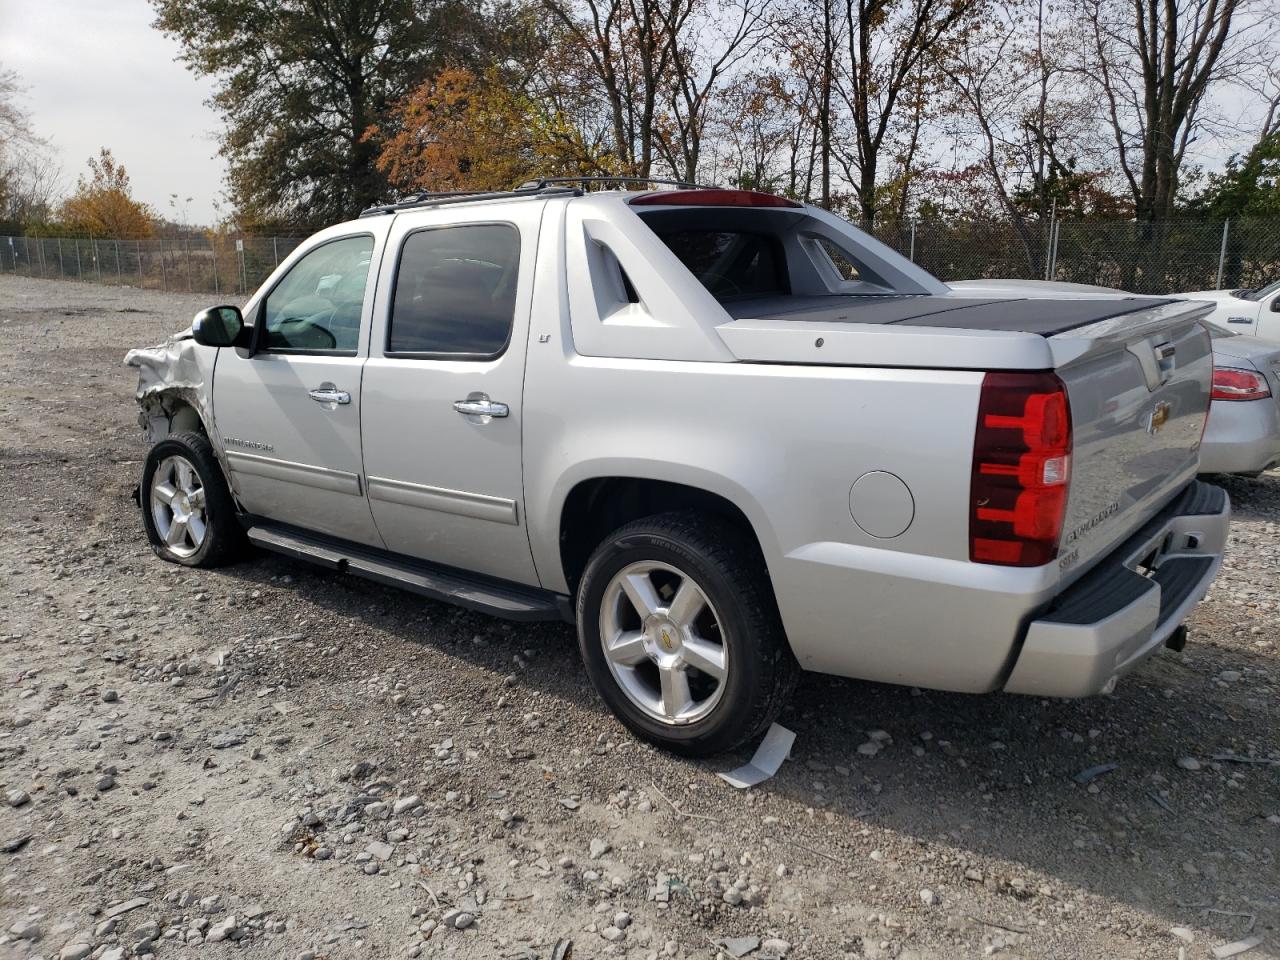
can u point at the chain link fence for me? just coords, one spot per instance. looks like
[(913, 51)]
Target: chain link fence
[(221, 265), (1172, 257)]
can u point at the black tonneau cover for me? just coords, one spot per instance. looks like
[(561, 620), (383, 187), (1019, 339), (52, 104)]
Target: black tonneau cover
[(1027, 315)]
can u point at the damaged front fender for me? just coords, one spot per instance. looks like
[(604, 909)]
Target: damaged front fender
[(175, 390), (171, 376)]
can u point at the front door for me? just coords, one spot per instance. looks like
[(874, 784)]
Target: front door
[(289, 416), (441, 401)]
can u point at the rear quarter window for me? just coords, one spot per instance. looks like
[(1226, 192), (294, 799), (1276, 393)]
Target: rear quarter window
[(842, 261)]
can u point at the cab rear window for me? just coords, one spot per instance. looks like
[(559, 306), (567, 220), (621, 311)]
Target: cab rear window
[(730, 263)]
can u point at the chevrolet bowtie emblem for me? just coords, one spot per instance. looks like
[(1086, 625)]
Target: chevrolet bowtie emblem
[(1159, 417), (666, 639)]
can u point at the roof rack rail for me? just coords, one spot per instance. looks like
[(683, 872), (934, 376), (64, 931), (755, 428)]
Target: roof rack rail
[(447, 197), (543, 182), (542, 186)]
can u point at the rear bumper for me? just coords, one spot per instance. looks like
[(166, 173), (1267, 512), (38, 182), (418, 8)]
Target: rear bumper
[(1243, 436), (1115, 617)]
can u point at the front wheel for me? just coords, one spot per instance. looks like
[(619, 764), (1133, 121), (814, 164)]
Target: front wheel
[(187, 510), (680, 633)]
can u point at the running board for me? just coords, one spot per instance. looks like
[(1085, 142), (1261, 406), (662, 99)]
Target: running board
[(494, 597)]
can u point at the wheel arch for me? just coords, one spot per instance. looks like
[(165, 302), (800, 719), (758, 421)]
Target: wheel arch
[(595, 506), (177, 409), (171, 410)]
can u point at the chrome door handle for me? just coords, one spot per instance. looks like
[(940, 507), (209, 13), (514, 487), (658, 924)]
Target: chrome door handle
[(481, 408), (328, 394)]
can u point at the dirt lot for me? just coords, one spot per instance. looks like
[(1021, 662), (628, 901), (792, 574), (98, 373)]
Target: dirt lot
[(276, 759)]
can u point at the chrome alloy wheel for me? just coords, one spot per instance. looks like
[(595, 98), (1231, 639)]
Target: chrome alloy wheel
[(178, 506), (663, 642)]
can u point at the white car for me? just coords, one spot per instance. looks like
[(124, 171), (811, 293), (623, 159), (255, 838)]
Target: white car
[(1253, 312)]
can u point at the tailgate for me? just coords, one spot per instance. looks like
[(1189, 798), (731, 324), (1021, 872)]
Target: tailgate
[(1139, 390)]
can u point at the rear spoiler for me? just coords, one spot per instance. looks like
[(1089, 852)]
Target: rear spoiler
[(1080, 343)]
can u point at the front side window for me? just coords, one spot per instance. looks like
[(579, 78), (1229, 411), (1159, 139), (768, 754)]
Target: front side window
[(455, 292), (318, 305)]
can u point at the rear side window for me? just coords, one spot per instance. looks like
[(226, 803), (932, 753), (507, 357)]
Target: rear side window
[(731, 264), (455, 292)]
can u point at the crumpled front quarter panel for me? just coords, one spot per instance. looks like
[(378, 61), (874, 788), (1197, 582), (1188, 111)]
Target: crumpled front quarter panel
[(178, 369)]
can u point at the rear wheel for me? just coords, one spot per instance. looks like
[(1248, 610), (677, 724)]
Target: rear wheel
[(680, 634), (187, 510)]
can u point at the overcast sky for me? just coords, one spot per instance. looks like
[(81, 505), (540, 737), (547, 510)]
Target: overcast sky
[(98, 75)]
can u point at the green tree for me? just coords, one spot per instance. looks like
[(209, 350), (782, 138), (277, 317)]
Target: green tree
[(301, 82), (1248, 187)]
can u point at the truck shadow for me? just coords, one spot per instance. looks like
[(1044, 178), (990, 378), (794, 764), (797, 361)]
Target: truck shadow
[(987, 784)]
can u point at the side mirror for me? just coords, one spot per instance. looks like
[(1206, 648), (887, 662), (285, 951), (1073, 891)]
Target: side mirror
[(218, 327), (1275, 305)]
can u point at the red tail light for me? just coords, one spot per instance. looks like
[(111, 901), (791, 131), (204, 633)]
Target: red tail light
[(1230, 383), (1021, 469), (712, 198)]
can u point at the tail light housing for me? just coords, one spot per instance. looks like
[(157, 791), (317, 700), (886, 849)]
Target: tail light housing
[(1232, 383), (1021, 469)]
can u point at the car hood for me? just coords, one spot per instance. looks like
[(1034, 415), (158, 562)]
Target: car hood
[(1217, 296)]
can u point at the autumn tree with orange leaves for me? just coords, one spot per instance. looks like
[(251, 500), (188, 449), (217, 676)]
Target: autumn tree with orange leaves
[(460, 131), (103, 205)]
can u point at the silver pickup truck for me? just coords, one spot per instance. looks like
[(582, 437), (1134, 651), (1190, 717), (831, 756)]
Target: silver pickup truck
[(727, 434)]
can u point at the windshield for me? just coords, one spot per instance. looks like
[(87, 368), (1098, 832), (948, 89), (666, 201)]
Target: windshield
[(1262, 293)]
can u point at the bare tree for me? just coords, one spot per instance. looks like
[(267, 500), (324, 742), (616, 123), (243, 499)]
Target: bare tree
[(1268, 92), (1156, 64), (30, 180), (886, 47), (1028, 118), (629, 48), (805, 50), (15, 124), (755, 127), (711, 42)]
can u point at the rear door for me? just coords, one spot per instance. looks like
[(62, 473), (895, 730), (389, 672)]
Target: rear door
[(441, 399), (289, 416)]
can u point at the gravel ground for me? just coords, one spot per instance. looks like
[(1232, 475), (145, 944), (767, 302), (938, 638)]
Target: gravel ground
[(277, 759)]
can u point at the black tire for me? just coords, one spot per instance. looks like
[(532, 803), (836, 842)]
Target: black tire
[(224, 539), (726, 565)]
